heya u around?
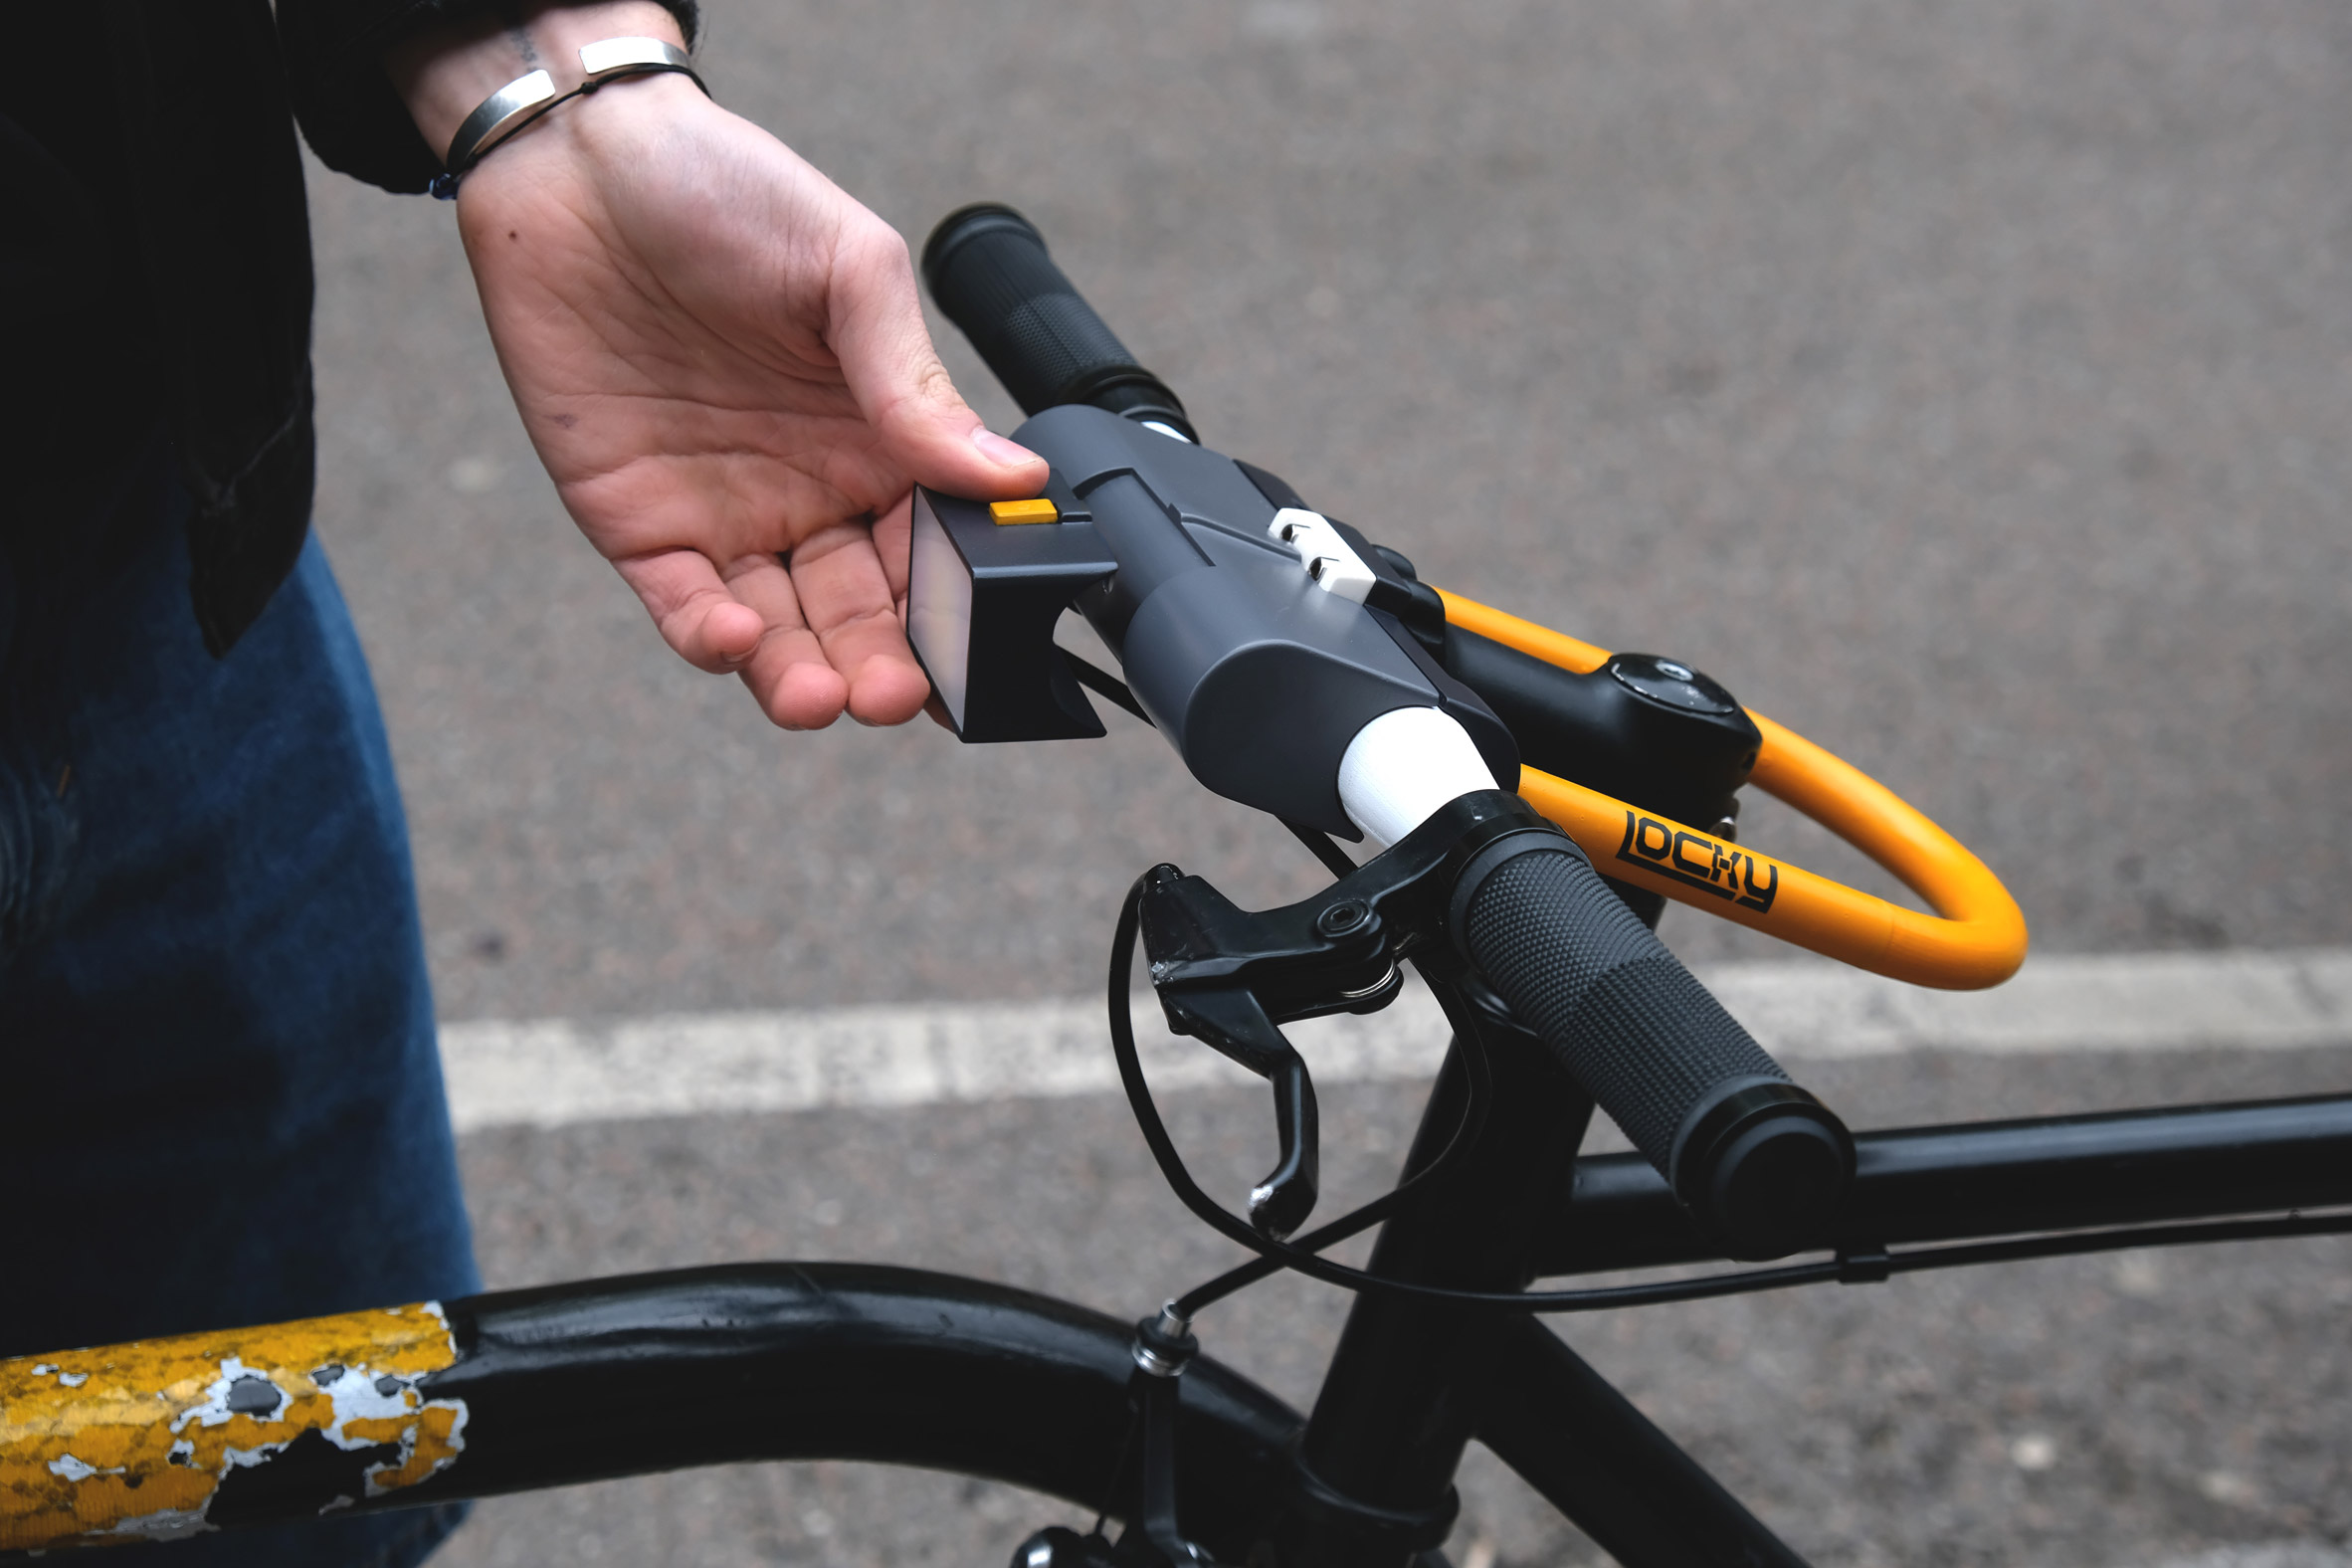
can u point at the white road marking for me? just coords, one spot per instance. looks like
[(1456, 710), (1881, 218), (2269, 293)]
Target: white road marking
[(554, 1072), (2280, 1554)]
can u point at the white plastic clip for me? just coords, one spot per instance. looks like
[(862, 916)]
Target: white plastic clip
[(1328, 559)]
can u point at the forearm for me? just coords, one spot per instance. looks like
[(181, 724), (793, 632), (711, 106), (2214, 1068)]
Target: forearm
[(444, 73)]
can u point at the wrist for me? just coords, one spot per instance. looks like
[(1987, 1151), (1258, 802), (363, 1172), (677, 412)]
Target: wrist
[(590, 141), (445, 73)]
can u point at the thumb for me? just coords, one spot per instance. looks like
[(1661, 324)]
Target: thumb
[(887, 358)]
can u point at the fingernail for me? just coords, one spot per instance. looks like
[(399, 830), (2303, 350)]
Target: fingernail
[(997, 450)]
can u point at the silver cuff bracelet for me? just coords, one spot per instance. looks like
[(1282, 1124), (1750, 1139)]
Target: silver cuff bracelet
[(527, 98)]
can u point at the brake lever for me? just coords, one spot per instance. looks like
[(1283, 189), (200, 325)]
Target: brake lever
[(1231, 977), (1231, 1019), (1213, 966)]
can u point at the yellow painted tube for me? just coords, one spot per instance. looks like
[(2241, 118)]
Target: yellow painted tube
[(1553, 647), (132, 1443), (1975, 938)]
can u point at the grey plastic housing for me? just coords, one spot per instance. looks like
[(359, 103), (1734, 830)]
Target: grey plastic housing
[(1256, 675)]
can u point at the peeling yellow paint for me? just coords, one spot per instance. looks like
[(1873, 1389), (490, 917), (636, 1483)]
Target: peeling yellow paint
[(434, 1445), (131, 1443)]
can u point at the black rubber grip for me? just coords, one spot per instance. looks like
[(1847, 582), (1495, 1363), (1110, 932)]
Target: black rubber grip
[(988, 272), (1760, 1163)]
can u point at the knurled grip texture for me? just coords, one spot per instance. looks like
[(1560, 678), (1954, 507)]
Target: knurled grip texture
[(1573, 963), (989, 273)]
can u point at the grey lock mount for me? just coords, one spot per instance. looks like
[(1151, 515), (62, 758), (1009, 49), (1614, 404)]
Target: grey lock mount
[(1253, 667), (1260, 648)]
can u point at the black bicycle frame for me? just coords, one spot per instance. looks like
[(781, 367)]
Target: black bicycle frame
[(1411, 1383), (2002, 1178), (1414, 1382), (911, 1368), (600, 1379)]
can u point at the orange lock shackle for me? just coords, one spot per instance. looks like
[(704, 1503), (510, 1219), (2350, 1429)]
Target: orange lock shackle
[(1975, 938)]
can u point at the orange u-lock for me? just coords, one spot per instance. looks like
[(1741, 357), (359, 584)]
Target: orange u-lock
[(1975, 938)]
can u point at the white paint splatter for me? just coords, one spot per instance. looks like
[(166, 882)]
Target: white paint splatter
[(247, 1459), (215, 1411), (358, 1398), (164, 1525), (355, 1397)]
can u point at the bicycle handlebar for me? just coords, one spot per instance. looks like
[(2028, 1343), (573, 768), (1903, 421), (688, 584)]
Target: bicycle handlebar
[(1760, 1163), (1288, 660), (988, 269)]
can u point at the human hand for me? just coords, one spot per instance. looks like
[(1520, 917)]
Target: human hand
[(720, 359)]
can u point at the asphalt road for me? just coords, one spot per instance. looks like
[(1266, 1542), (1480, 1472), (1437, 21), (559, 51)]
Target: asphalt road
[(1964, 385)]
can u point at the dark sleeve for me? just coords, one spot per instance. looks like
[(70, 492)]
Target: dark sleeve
[(343, 100)]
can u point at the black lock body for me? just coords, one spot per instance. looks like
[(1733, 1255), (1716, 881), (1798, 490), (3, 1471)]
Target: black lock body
[(982, 600)]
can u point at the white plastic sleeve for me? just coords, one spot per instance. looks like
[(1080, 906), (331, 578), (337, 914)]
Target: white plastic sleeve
[(1402, 766)]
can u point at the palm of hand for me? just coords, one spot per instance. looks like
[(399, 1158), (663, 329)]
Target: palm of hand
[(719, 357)]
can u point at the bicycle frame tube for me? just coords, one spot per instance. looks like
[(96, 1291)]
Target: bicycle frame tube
[(1599, 1461), (1400, 1401), (582, 1382), (1413, 1382), (1999, 1178)]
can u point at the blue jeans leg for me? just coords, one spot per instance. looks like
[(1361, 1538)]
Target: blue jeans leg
[(215, 1024)]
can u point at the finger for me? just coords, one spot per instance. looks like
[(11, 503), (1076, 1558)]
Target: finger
[(846, 599), (877, 330), (699, 618), (893, 536), (789, 674)]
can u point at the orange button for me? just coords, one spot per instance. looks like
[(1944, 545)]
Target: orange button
[(1039, 510)]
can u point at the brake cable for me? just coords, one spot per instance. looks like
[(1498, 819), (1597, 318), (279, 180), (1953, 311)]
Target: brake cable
[(1853, 1266), (1119, 694), (1274, 1256), (1465, 1132), (1110, 687), (1466, 1136)]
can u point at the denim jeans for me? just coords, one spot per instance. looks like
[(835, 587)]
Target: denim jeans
[(222, 1100)]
